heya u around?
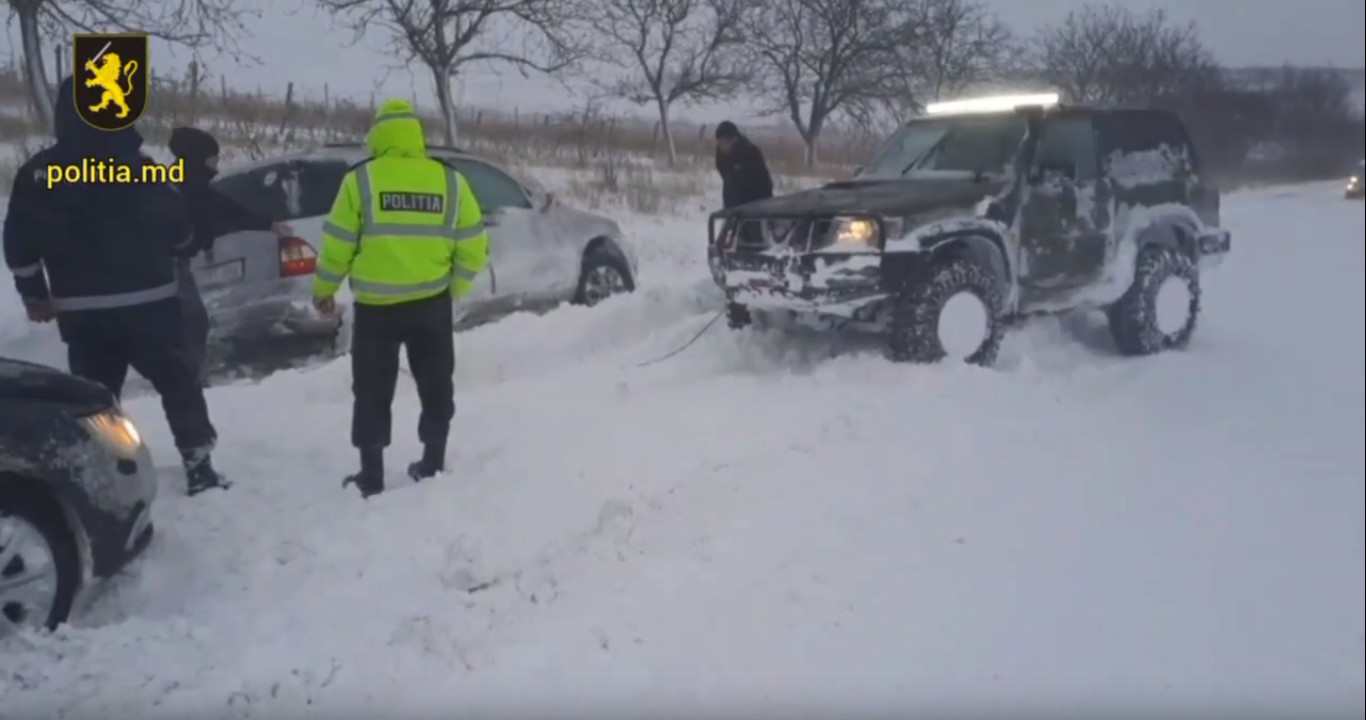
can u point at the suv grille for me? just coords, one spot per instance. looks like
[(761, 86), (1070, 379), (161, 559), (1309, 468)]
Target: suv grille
[(797, 234)]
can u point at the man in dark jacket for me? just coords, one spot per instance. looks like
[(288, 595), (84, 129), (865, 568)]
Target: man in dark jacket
[(99, 259), (744, 174), (212, 215)]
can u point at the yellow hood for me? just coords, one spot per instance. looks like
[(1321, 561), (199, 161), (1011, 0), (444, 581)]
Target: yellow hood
[(397, 132)]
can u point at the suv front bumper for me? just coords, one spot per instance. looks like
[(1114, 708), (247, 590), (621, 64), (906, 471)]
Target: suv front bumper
[(1212, 248), (843, 285)]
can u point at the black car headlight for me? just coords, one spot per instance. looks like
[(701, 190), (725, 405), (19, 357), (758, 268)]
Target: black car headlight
[(114, 430)]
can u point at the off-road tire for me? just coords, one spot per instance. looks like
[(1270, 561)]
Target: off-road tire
[(913, 334), (593, 260), (738, 317), (1133, 318), (44, 515)]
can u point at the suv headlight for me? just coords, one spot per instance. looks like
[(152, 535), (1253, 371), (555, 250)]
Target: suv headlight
[(115, 431), (862, 233)]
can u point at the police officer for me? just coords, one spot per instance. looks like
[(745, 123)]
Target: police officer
[(99, 259), (409, 233)]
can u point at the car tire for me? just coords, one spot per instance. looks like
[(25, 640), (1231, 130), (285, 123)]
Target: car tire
[(738, 317), (35, 517), (602, 267), (1136, 319), (918, 311)]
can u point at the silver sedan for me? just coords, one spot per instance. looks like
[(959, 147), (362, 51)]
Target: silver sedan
[(257, 286)]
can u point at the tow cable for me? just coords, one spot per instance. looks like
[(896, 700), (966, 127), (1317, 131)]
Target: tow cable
[(685, 345)]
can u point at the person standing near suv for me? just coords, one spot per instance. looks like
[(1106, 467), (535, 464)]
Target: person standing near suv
[(744, 173), (212, 215)]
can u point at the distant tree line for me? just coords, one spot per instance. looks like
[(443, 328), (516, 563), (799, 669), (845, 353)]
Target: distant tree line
[(817, 63)]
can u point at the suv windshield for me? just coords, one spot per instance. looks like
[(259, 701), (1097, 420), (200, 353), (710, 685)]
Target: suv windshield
[(966, 143)]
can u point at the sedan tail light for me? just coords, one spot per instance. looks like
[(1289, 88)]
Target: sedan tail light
[(297, 257)]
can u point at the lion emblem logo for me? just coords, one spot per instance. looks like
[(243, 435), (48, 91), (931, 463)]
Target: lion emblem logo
[(111, 89), (107, 77)]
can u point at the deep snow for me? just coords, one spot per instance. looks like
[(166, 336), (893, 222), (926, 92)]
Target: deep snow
[(768, 523)]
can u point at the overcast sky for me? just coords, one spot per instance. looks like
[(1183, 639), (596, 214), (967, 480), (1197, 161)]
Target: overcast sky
[(293, 41)]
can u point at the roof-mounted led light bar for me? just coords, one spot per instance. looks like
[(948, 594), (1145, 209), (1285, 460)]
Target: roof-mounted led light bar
[(993, 103)]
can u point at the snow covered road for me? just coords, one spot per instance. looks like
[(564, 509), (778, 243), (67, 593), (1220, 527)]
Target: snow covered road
[(764, 522)]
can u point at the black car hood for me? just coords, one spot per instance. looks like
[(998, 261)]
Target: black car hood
[(20, 380), (886, 197)]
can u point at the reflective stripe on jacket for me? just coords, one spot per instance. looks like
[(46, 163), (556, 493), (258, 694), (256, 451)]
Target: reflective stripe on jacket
[(403, 227)]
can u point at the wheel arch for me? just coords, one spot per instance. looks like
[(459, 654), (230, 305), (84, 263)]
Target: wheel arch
[(50, 499), (982, 244), (603, 243), (1173, 230)]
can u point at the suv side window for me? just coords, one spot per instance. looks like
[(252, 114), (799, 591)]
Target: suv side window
[(1069, 140), (1134, 131), (493, 187), (258, 190)]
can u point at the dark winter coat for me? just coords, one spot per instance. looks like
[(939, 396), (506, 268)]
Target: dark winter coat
[(744, 174), (212, 213), (92, 246)]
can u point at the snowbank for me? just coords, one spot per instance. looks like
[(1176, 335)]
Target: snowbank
[(774, 523)]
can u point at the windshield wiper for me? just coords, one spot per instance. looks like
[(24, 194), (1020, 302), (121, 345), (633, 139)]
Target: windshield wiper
[(929, 151)]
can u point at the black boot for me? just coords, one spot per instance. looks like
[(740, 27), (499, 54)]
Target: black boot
[(370, 479), (200, 474), (433, 462)]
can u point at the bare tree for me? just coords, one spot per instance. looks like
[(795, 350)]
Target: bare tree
[(447, 36), (820, 58), (191, 23), (671, 50), (1312, 100), (1111, 55), (957, 45)]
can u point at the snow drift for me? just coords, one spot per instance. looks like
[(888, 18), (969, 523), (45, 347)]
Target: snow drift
[(769, 523)]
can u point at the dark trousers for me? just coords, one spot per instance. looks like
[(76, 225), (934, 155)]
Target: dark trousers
[(425, 328), (101, 345), (196, 320)]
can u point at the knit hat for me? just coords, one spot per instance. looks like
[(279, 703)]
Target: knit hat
[(192, 144), (726, 129)]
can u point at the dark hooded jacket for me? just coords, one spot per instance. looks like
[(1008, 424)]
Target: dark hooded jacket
[(744, 174), (91, 246), (212, 213)]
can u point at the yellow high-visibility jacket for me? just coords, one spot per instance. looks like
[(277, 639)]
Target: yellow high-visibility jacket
[(404, 226)]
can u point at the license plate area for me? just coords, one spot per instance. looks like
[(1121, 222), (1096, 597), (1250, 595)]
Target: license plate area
[(222, 274), (758, 272)]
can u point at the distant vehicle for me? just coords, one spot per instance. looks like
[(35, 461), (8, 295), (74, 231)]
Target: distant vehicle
[(76, 492), (988, 211), (1354, 190), (258, 287)]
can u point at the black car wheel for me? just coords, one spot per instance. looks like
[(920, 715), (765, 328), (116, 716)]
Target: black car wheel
[(1159, 310), (39, 565), (952, 312), (603, 275)]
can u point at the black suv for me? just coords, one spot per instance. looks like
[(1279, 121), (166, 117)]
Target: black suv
[(1354, 189), (1014, 209), (76, 489)]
